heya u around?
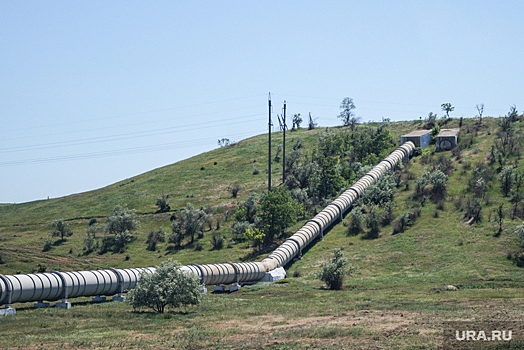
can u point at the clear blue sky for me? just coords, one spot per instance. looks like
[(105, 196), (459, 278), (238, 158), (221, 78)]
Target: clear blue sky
[(93, 92)]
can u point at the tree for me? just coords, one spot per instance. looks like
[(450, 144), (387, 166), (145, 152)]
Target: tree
[(161, 203), (439, 180), (121, 220), (346, 110), (506, 180), (278, 212), (247, 210), (355, 222), (373, 220), (224, 142), (519, 231), (167, 286), (353, 121), (296, 121), (190, 222), (329, 179), (499, 219), (255, 236), (333, 271), (447, 107), (480, 110), (311, 124), (61, 229)]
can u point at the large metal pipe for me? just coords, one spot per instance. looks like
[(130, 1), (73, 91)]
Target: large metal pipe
[(50, 286)]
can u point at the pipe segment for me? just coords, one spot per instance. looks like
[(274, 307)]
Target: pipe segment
[(60, 285)]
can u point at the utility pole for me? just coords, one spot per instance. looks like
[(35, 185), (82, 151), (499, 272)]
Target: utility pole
[(284, 148), (269, 150)]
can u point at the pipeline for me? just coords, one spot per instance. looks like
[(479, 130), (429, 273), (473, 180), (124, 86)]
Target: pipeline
[(52, 286)]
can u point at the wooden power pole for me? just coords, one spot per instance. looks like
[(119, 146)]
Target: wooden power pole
[(269, 149)]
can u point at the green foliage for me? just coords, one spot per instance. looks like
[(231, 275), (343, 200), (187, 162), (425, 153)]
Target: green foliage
[(519, 231), (217, 240), (278, 212), (188, 223), (346, 111), (61, 229), (373, 219), (161, 203), (380, 192), (296, 121), (333, 271), (47, 246), (439, 182), (329, 180), (90, 244), (355, 221), (121, 220), (154, 237), (473, 210), (255, 236), (239, 228), (167, 286), (506, 180), (2, 259), (247, 210), (403, 221), (447, 107)]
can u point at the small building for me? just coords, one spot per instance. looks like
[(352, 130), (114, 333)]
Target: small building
[(447, 139), (421, 138)]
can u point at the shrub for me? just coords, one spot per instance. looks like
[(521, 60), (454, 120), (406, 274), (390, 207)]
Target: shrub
[(355, 222), (167, 286), (154, 237), (90, 244), (373, 220), (2, 260), (61, 229), (506, 180), (238, 229), (234, 189), (122, 220), (256, 171), (519, 231), (217, 241), (333, 271), (161, 203), (199, 246), (473, 210), (47, 246), (403, 221)]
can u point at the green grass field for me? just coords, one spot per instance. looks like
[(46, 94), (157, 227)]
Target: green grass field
[(397, 297)]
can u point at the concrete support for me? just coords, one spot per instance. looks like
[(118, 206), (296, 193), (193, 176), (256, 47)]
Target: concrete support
[(63, 304), (203, 290), (98, 299), (219, 288), (41, 304), (234, 287), (119, 298), (7, 311)]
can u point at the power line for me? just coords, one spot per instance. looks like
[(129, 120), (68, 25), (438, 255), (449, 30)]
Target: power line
[(131, 114), (126, 136), (125, 151)]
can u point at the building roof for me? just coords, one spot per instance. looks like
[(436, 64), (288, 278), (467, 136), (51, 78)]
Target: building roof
[(416, 133), (448, 132)]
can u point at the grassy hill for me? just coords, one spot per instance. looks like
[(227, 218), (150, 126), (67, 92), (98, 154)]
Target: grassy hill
[(397, 297)]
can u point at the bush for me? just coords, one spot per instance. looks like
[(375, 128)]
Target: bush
[(199, 246), (161, 203), (61, 229), (90, 244), (519, 231), (403, 221), (47, 246), (355, 222), (122, 220), (2, 260), (238, 229), (333, 271), (373, 220), (154, 237), (234, 189), (167, 286), (217, 241)]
